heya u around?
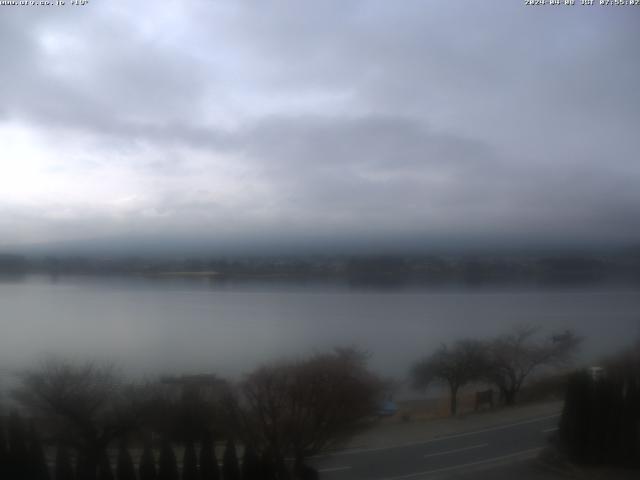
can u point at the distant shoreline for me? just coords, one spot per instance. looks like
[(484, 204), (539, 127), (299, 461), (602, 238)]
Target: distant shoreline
[(183, 274), (367, 270)]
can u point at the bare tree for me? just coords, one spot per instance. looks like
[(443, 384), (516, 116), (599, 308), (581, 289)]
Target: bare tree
[(514, 356), (302, 408), (456, 366), (80, 402)]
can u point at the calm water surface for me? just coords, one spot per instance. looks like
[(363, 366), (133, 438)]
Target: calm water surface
[(147, 326)]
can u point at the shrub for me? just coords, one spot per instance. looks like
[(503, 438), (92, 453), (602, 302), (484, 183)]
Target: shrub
[(104, 468), (230, 469), (251, 469), (189, 463), (63, 468), (208, 461), (600, 421), (19, 460), (147, 463), (125, 469), (168, 466), (38, 462)]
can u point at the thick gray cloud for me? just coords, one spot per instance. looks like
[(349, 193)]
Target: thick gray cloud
[(293, 118)]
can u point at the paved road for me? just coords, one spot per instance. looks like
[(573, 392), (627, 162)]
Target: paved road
[(437, 457)]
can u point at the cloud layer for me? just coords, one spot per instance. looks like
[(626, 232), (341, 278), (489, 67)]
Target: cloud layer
[(341, 119)]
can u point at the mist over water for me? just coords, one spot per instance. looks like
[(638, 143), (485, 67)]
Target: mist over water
[(152, 326)]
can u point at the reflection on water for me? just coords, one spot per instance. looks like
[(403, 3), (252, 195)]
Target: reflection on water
[(149, 325)]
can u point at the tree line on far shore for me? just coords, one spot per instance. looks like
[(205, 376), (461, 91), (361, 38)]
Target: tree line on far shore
[(360, 270)]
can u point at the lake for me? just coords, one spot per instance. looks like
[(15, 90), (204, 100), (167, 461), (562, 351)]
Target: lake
[(177, 325)]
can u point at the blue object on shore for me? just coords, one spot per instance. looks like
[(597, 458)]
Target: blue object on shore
[(388, 408)]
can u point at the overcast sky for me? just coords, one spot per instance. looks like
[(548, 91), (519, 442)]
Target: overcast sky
[(249, 119)]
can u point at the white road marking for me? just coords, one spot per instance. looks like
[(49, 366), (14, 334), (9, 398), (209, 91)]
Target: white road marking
[(334, 469), (464, 465), (447, 452), (446, 437), (548, 430)]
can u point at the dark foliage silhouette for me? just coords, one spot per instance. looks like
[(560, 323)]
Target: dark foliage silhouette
[(167, 463), (513, 357), (4, 453), (251, 468), (19, 459), (267, 466), (125, 469), (147, 465), (303, 471), (208, 462), (80, 402), (302, 408), (63, 468), (105, 472), (506, 361), (230, 468), (456, 366), (37, 461), (87, 464), (189, 463), (600, 421)]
